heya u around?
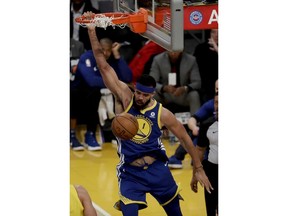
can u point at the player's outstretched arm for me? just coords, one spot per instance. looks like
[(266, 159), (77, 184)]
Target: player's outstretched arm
[(110, 78), (170, 121), (107, 72)]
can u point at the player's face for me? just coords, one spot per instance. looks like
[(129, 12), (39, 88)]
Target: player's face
[(141, 99)]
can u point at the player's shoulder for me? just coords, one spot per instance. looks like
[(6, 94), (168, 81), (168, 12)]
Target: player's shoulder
[(164, 112)]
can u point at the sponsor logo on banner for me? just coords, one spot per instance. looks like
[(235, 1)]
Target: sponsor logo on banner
[(196, 17), (201, 17)]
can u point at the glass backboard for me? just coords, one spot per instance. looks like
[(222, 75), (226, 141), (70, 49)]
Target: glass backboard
[(165, 20)]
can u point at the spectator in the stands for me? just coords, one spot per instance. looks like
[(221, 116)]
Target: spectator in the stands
[(85, 92), (207, 59), (142, 61), (205, 114), (178, 79)]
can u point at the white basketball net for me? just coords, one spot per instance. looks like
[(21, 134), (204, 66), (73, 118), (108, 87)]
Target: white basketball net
[(102, 21)]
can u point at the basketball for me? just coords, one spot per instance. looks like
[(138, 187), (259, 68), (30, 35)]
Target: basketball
[(124, 126)]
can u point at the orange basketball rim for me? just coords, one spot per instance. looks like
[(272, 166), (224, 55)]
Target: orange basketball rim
[(136, 21)]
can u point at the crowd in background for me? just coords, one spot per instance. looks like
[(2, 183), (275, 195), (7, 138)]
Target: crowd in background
[(185, 80), (132, 55)]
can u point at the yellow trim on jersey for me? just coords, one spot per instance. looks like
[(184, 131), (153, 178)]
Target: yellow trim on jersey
[(144, 110), (149, 108), (159, 116), (176, 194), (129, 106)]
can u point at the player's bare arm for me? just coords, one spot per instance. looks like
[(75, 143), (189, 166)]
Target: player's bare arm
[(86, 201), (169, 120), (107, 72), (201, 152), (120, 89)]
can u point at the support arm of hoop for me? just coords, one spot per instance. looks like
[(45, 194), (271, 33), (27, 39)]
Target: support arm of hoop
[(138, 21), (140, 16)]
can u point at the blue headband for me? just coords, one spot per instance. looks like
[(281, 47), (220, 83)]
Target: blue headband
[(145, 89)]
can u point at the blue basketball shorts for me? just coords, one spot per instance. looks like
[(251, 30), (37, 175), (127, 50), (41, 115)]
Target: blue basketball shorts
[(135, 182)]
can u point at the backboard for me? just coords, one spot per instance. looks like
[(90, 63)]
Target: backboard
[(165, 20)]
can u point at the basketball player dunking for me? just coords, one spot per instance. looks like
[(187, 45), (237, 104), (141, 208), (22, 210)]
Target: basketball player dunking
[(143, 161)]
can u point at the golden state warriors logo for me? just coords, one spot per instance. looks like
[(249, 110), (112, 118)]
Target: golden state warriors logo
[(145, 129)]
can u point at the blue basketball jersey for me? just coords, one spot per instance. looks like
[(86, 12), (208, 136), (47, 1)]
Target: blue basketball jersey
[(156, 179), (147, 141)]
